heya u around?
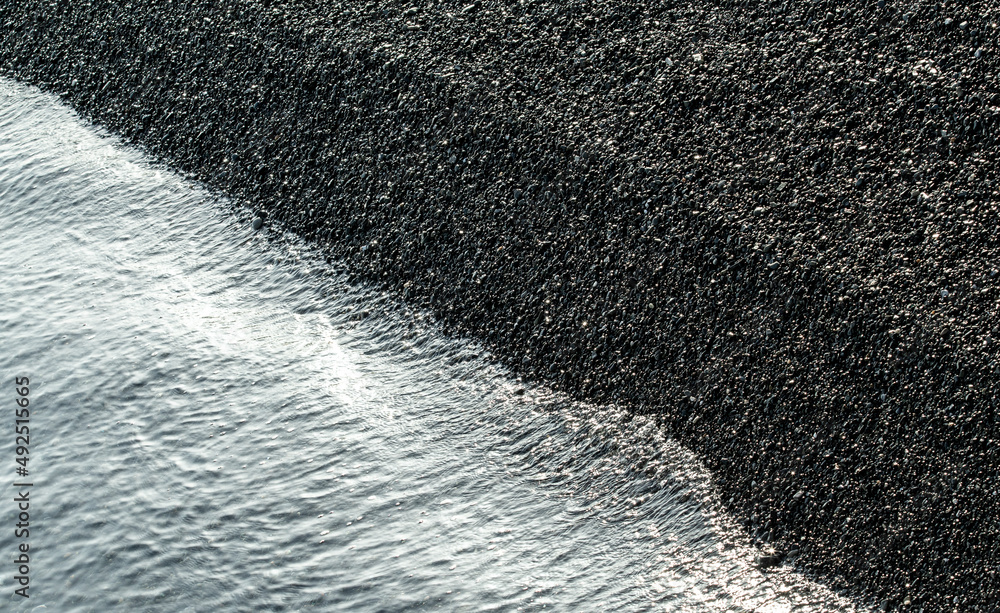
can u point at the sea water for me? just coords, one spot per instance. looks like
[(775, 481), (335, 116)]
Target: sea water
[(219, 421)]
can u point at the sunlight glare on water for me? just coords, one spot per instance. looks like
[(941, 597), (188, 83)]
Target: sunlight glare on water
[(221, 422)]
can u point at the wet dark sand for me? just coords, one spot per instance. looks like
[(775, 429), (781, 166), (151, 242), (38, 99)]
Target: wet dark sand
[(773, 226)]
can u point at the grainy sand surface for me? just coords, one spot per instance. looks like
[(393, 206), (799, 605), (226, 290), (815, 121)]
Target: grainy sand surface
[(772, 225)]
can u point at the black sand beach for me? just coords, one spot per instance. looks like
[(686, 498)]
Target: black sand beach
[(771, 225)]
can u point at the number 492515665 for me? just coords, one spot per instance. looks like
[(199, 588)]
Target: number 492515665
[(21, 421)]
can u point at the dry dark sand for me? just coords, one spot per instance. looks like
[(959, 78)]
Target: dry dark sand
[(772, 225)]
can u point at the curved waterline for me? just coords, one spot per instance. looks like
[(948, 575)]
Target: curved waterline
[(225, 421)]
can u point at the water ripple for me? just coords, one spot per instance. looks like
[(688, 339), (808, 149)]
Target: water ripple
[(224, 423)]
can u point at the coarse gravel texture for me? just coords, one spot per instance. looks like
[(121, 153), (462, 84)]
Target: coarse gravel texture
[(773, 225)]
